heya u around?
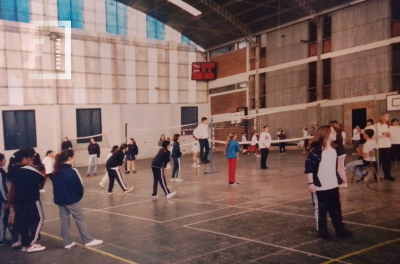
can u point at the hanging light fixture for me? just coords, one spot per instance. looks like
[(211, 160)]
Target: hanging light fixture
[(185, 6)]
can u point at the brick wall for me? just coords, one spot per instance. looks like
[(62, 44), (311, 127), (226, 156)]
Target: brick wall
[(227, 103), (230, 63)]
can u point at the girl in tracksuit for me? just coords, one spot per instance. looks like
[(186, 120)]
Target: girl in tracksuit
[(24, 197), (131, 155), (113, 165), (157, 166), (323, 182), (176, 158), (68, 191), (231, 152), (3, 200), (105, 178)]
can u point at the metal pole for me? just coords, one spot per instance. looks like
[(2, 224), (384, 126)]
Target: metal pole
[(126, 142), (211, 153)]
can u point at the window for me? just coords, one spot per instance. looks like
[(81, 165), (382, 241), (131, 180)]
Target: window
[(185, 40), (262, 100), (71, 10), (88, 123), (19, 129), (312, 81), (223, 50), (155, 28), (15, 10), (395, 18), (396, 67), (116, 17), (327, 35), (189, 115), (327, 79)]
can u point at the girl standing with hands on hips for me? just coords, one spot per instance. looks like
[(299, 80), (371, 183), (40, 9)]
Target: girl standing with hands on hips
[(323, 184), (231, 152)]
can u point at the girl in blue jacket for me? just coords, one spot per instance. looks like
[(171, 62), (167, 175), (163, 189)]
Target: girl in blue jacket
[(231, 152), (176, 157), (68, 191)]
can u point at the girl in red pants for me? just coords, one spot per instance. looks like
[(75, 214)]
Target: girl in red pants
[(232, 154)]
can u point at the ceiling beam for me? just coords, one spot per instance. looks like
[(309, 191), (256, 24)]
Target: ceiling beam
[(307, 8)]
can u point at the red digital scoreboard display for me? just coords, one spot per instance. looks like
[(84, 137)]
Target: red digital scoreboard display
[(204, 71)]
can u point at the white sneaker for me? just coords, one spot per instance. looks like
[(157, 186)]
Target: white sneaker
[(234, 184), (16, 244), (244, 151), (95, 242), (193, 166), (170, 195), (101, 185), (35, 247), (24, 249), (178, 180), (344, 185), (198, 166), (173, 179), (42, 191), (70, 245), (258, 156), (128, 190)]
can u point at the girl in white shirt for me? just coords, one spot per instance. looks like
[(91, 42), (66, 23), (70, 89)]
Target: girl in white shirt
[(105, 178), (321, 169), (195, 151), (395, 140), (384, 145), (253, 144)]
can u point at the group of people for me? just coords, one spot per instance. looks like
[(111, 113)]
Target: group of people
[(20, 205)]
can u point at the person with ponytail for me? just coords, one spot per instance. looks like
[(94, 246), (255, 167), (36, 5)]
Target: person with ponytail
[(131, 154), (384, 144), (24, 197), (231, 152), (113, 165), (105, 178), (323, 182), (68, 191)]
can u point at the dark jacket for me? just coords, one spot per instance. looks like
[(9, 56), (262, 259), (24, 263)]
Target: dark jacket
[(161, 159), (66, 145), (3, 186), (94, 148), (27, 181), (117, 159), (312, 165), (132, 150), (339, 144), (176, 150), (67, 185)]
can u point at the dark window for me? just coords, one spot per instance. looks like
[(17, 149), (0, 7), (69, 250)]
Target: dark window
[(88, 123), (312, 81), (396, 67), (312, 29), (19, 129), (326, 68), (395, 10), (189, 115), (223, 50), (312, 94), (327, 27)]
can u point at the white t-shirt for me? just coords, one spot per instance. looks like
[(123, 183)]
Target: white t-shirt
[(305, 133), (356, 134), (368, 147), (265, 140), (201, 131), (48, 163), (244, 138), (254, 140), (383, 141), (395, 135), (344, 137), (327, 170)]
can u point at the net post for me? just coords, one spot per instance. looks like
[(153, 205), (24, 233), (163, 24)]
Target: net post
[(126, 142), (212, 171), (183, 145)]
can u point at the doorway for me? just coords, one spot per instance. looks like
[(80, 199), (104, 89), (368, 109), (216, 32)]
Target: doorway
[(359, 118)]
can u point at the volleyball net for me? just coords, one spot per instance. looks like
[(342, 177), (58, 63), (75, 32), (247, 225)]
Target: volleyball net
[(105, 140)]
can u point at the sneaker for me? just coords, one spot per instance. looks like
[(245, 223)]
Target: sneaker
[(128, 190), (87, 175), (244, 151), (390, 179), (24, 249), (94, 174), (194, 166), (284, 153), (258, 156), (345, 233), (178, 180), (170, 195), (70, 245), (198, 166), (111, 192), (134, 171), (234, 183), (324, 234), (344, 185), (16, 244), (35, 247), (154, 195), (95, 242), (127, 172), (173, 179), (101, 185), (42, 191)]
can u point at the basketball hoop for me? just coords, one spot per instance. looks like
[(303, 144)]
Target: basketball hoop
[(235, 118)]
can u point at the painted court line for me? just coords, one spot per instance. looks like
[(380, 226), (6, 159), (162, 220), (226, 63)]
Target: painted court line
[(260, 242), (131, 216), (94, 249), (211, 219), (362, 251)]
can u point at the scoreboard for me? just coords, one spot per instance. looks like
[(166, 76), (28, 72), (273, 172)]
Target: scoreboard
[(204, 71)]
